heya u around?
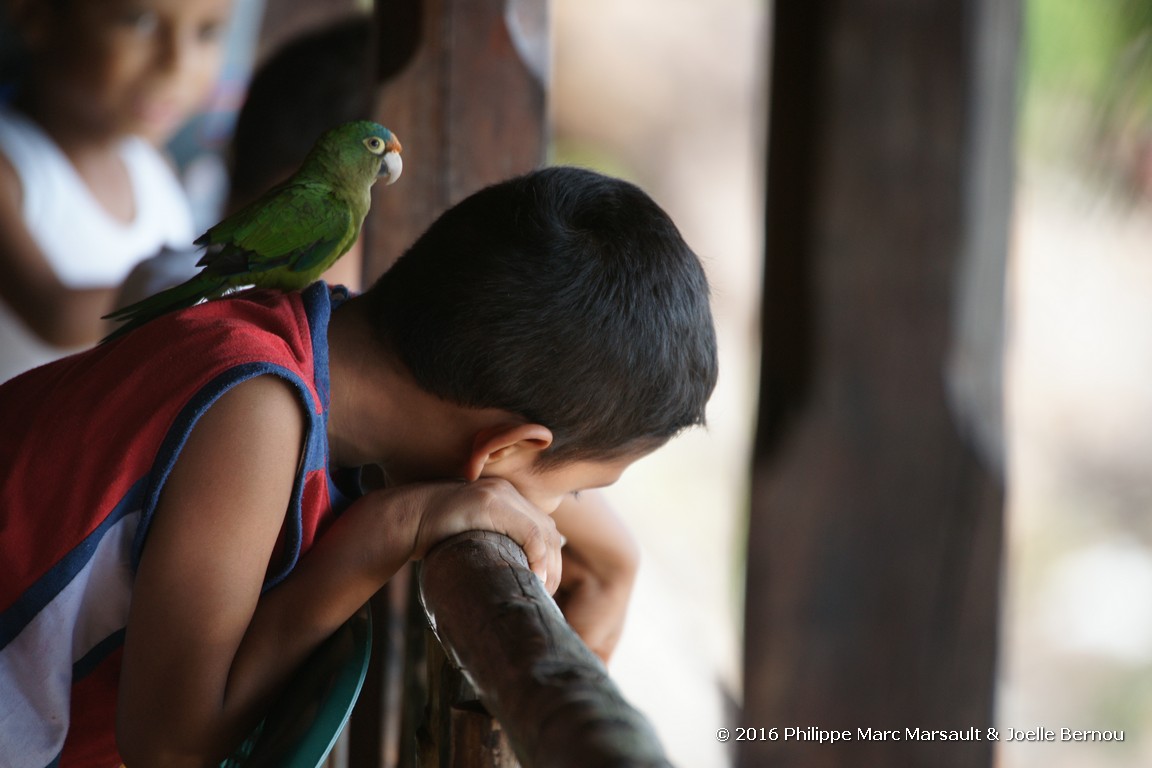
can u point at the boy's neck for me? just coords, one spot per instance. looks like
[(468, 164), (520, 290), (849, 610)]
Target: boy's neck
[(378, 414)]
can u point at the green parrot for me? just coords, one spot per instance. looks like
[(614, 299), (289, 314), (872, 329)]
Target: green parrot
[(292, 233)]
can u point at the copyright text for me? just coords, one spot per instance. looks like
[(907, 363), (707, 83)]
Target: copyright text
[(828, 736)]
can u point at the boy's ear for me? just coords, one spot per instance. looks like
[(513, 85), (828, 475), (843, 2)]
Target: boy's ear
[(513, 446)]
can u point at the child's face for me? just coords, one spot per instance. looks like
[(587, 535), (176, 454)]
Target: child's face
[(131, 66), (547, 488)]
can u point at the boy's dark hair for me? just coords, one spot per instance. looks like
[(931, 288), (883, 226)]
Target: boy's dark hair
[(566, 297)]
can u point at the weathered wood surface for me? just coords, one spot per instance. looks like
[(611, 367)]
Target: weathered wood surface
[(376, 732), (550, 694), (470, 112), (284, 20), (875, 530), (457, 731), (468, 108)]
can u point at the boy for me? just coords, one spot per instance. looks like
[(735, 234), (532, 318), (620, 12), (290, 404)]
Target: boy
[(535, 341)]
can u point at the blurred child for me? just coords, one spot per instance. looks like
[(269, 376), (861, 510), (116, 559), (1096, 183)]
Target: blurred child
[(84, 193)]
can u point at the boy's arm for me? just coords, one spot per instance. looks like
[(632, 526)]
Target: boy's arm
[(59, 315), (600, 562), (205, 651)]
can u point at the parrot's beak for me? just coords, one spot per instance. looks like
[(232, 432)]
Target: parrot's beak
[(391, 168), (393, 165)]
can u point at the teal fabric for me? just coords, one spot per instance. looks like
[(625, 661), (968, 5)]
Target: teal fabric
[(307, 719)]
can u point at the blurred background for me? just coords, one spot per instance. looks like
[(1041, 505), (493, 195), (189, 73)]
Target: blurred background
[(1077, 612), (671, 94)]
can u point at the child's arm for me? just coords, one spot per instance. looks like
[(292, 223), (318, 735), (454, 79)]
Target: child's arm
[(205, 651), (600, 562), (60, 316)]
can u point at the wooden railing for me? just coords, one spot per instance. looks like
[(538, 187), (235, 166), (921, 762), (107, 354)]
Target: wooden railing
[(474, 666), (509, 652)]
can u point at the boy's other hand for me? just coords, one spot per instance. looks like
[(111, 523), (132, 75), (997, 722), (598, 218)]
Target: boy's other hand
[(594, 600), (601, 560)]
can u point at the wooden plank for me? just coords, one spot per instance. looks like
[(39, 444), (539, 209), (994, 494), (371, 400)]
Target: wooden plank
[(285, 20), (458, 732), (550, 693), (375, 728), (875, 532), (469, 112), (468, 109)]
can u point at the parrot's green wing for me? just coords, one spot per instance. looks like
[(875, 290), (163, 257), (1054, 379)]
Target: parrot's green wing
[(298, 227), (293, 233)]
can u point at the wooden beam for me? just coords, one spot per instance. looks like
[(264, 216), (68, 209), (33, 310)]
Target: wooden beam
[(875, 531), (457, 731), (550, 694), (470, 111), (468, 108), (285, 20), (376, 729)]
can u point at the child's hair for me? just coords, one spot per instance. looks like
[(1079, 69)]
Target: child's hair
[(312, 83), (13, 57), (566, 297)]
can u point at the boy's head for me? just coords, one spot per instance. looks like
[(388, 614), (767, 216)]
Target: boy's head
[(563, 296), (118, 67)]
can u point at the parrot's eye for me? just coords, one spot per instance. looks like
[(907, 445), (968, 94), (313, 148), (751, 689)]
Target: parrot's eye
[(375, 144)]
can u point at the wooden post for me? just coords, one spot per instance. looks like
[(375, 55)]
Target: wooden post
[(874, 541), (551, 695), (457, 731), (468, 108), (284, 20), (470, 111), (376, 729)]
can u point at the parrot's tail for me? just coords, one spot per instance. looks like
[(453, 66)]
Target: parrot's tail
[(170, 299)]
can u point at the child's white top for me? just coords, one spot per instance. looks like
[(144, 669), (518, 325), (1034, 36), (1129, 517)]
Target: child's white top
[(82, 242)]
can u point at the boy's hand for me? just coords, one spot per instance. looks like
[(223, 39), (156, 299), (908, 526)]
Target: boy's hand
[(438, 511), (601, 559)]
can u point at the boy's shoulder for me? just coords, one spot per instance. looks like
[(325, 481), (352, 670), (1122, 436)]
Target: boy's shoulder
[(191, 354), (261, 327)]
